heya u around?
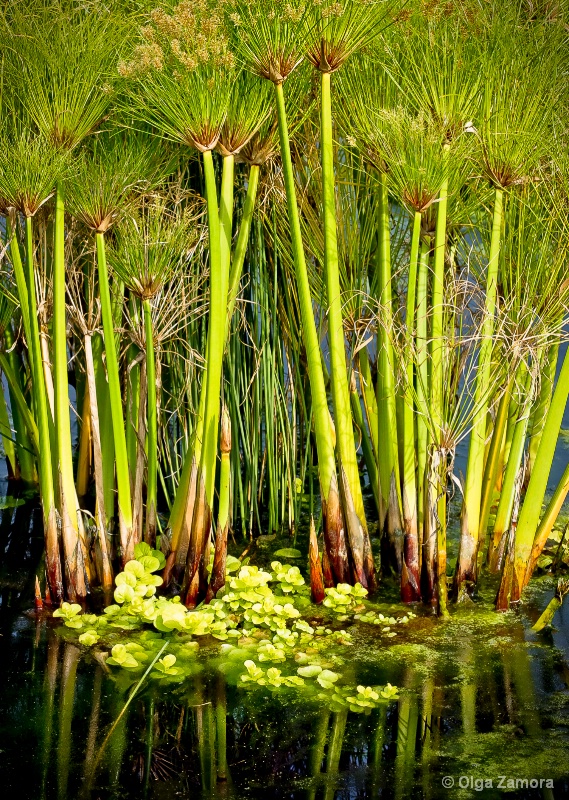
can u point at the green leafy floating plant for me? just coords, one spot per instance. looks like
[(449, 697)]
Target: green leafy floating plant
[(120, 657), (257, 618), (70, 614)]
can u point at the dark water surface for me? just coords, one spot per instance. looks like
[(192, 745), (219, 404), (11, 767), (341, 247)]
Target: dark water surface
[(484, 705)]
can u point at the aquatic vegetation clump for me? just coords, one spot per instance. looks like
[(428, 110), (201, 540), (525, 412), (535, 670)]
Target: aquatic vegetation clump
[(260, 619)]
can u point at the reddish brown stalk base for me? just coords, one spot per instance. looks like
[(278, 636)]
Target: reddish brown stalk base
[(335, 537), (201, 529), (429, 560), (505, 592), (355, 531), (466, 572), (52, 561), (327, 571), (410, 591), (316, 574), (369, 565), (394, 528), (176, 560), (219, 560), (38, 602)]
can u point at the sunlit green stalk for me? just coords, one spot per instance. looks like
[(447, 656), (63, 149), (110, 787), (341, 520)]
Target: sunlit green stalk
[(410, 574), (548, 520), (20, 403), (23, 441), (547, 373), (531, 509), (466, 568), (240, 250), (219, 253), (422, 378), (345, 445), (75, 552), (320, 412), (106, 430), (436, 397), (511, 476), (152, 430), (128, 536), (388, 456), (46, 482), (7, 437), (494, 458)]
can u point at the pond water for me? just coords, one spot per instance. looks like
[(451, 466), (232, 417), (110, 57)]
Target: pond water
[(483, 705)]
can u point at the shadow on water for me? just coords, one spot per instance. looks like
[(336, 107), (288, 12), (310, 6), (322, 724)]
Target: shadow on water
[(484, 705)]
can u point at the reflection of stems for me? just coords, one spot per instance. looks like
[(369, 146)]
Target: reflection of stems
[(149, 746), (205, 734), (68, 673), (426, 730), (468, 693), (93, 720), (335, 750), (221, 729), (317, 753), (115, 752), (406, 735), (126, 705), (378, 740), (50, 681), (524, 689)]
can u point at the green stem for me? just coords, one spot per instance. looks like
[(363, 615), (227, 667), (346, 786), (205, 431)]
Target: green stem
[(410, 577), (437, 324), (513, 465), (106, 431), (70, 524), (238, 257), (548, 520), (320, 413), (542, 406), (21, 285), (7, 436), (493, 460), (128, 536), (388, 449), (531, 508), (23, 441), (370, 401), (470, 524), (152, 432), (422, 384), (367, 448), (345, 444), (219, 253), (47, 492), (21, 404)]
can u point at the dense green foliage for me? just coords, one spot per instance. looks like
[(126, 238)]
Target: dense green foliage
[(268, 264)]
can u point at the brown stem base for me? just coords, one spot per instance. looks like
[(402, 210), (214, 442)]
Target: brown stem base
[(316, 574)]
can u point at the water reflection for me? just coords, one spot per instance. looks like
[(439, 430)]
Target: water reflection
[(480, 697), (481, 703)]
